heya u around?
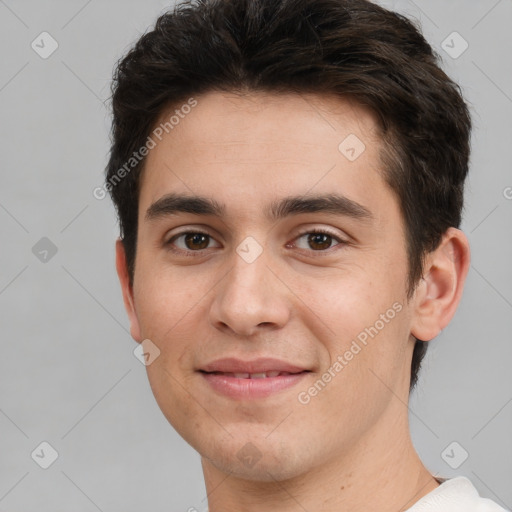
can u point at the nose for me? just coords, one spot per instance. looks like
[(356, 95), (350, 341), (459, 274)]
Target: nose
[(250, 298)]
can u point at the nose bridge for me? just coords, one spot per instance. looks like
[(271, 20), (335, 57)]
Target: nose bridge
[(248, 294), (250, 271)]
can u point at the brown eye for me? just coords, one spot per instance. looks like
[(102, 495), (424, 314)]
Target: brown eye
[(319, 241), (189, 242), (196, 240)]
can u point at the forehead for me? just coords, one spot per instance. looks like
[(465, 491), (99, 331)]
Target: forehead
[(258, 117), (247, 147)]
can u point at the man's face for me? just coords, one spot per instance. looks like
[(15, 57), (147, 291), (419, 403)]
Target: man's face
[(250, 285)]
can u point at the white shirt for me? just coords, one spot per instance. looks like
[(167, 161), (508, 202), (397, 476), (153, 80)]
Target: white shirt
[(455, 495)]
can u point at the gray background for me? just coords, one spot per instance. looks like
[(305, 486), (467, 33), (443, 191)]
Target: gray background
[(67, 372)]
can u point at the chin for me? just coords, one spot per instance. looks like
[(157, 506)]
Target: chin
[(256, 460)]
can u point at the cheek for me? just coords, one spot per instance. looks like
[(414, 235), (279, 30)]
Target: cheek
[(345, 304), (168, 309), (164, 299), (169, 388), (364, 318)]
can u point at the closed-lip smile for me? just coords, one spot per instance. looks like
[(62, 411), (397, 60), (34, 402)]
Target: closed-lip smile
[(257, 378)]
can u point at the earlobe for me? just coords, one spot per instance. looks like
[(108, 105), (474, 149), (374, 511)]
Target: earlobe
[(127, 290), (440, 290)]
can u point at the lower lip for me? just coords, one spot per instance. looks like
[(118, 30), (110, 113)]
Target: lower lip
[(235, 387)]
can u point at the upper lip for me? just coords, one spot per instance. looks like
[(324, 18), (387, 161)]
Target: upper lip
[(260, 365)]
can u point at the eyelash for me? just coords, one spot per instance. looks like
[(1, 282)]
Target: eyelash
[(191, 253)]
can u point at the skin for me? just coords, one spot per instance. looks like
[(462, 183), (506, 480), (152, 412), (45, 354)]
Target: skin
[(349, 447)]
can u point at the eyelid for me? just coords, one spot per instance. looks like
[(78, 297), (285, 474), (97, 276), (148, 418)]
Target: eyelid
[(317, 229), (342, 240), (187, 231), (191, 228)]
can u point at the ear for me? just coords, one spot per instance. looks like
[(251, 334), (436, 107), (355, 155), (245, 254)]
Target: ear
[(439, 292), (127, 289)]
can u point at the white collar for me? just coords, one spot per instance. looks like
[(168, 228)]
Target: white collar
[(455, 495)]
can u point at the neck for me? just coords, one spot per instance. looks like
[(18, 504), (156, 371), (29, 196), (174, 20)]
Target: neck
[(383, 472)]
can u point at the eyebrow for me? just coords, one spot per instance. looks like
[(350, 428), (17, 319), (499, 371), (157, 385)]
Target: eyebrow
[(173, 204)]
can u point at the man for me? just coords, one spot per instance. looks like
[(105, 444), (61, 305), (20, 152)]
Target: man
[(289, 182)]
